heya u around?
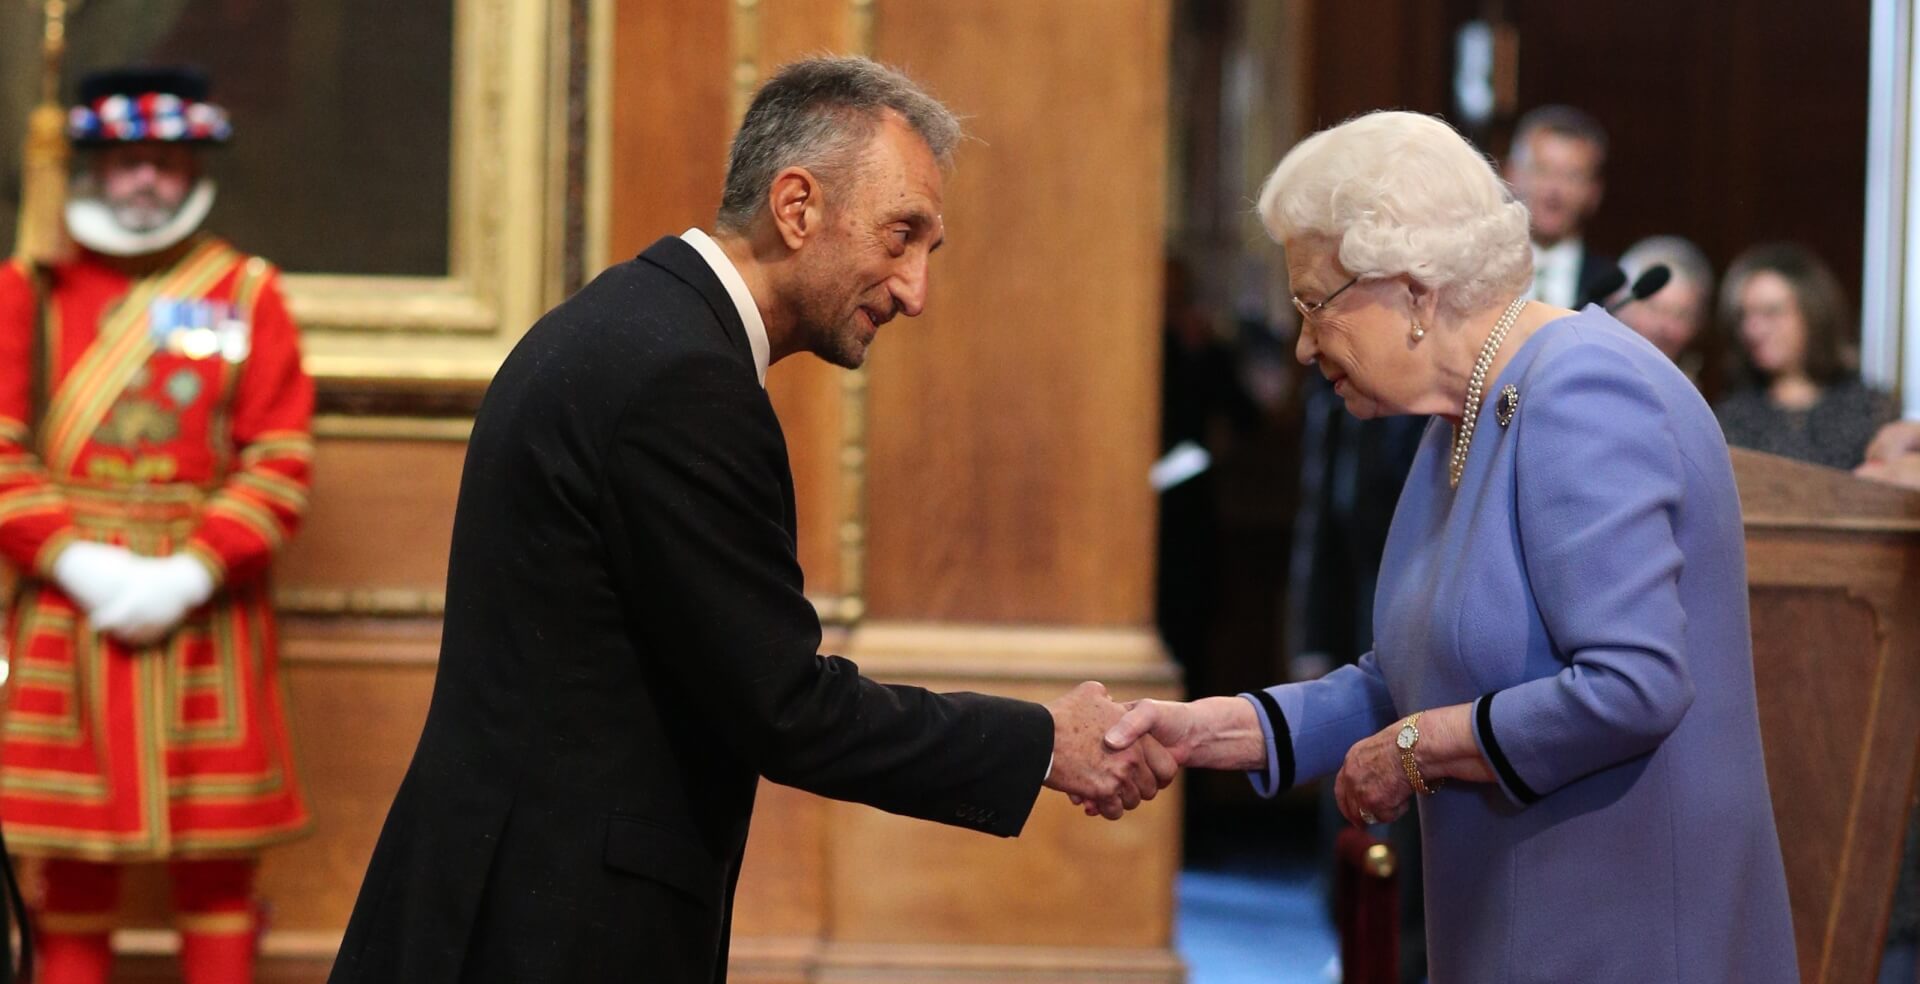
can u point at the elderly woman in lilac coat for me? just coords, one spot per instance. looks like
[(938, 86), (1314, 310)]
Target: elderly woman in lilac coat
[(1562, 678)]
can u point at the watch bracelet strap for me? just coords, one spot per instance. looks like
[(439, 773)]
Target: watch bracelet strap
[(1414, 778)]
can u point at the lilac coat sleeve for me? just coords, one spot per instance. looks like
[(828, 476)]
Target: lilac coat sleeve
[(1599, 475), (1318, 721)]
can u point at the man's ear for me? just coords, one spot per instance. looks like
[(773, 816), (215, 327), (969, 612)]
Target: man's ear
[(796, 205)]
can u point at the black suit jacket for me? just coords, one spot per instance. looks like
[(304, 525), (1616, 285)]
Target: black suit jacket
[(1594, 268), (627, 651), (1351, 473)]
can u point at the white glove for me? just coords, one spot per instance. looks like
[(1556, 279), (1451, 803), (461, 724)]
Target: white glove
[(93, 573), (160, 593)]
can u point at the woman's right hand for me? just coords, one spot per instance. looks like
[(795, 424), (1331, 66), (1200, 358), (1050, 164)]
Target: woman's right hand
[(1210, 733)]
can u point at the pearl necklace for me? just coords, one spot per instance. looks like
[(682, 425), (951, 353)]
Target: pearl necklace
[(1476, 384)]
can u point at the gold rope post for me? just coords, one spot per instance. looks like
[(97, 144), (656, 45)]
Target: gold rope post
[(42, 239)]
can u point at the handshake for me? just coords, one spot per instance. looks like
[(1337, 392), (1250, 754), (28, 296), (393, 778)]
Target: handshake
[(135, 599), (1109, 757)]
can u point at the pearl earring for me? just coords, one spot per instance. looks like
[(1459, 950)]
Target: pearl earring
[(1418, 332)]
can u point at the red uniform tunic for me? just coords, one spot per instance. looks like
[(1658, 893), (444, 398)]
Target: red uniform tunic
[(176, 419)]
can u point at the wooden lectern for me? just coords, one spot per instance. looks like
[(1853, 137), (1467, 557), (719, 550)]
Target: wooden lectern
[(1833, 569)]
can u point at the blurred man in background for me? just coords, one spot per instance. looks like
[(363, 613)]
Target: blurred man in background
[(1555, 168)]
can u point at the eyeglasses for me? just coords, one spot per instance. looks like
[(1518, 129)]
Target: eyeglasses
[(1309, 310)]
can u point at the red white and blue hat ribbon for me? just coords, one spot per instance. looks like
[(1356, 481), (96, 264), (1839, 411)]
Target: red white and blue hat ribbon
[(158, 116)]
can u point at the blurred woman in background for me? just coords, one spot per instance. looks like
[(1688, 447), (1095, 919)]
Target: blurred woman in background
[(1795, 392)]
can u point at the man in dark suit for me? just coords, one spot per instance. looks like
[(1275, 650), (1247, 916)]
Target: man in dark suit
[(1556, 166), (627, 647)]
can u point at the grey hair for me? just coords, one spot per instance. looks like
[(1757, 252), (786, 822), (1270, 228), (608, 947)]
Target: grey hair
[(819, 114), (1400, 193), (1681, 256)]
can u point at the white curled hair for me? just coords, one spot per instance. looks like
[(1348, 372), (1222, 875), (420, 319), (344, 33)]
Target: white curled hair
[(1402, 193)]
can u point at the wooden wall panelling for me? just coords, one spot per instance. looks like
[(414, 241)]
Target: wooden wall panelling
[(1833, 564), (1012, 425), (1365, 55), (1031, 893), (672, 118), (795, 29), (356, 715), (381, 519), (1730, 125), (1826, 621)]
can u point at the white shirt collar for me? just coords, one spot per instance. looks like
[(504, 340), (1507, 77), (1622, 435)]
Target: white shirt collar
[(1556, 272), (737, 289), (1564, 251)]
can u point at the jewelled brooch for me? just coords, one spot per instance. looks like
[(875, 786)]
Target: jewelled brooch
[(1509, 402)]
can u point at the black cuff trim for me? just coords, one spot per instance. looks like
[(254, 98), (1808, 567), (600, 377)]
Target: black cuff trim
[(1483, 723), (1282, 737)]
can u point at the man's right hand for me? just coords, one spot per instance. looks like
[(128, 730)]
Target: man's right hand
[(1109, 782), (94, 573)]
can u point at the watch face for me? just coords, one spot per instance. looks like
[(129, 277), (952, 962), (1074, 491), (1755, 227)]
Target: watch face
[(1408, 735)]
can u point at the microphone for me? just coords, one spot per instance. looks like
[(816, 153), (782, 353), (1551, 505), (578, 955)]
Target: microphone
[(1604, 287), (1644, 286)]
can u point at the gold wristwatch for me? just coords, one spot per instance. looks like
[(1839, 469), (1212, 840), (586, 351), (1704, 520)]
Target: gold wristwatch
[(1409, 737)]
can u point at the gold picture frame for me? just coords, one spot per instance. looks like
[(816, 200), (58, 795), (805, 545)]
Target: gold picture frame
[(522, 165)]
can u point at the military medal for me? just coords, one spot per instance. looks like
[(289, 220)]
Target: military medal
[(199, 329)]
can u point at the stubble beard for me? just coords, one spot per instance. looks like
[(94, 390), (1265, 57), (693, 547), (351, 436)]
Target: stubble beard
[(840, 344), (828, 320)]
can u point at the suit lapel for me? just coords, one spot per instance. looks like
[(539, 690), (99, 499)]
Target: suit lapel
[(674, 255)]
